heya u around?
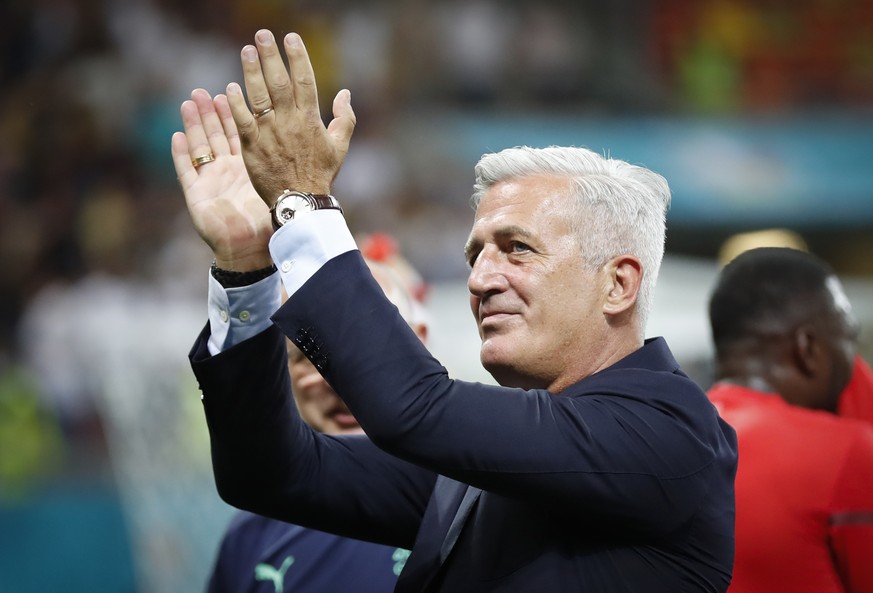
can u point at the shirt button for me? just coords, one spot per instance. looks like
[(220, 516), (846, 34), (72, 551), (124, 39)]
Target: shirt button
[(287, 265), (244, 316), (224, 316)]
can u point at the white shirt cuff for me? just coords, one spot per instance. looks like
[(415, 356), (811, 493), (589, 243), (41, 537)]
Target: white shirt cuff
[(305, 244), (237, 314)]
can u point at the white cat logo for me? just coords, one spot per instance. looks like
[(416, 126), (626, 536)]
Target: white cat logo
[(265, 572)]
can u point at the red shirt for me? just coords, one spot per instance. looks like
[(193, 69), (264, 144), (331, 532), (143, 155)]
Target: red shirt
[(856, 400), (804, 496)]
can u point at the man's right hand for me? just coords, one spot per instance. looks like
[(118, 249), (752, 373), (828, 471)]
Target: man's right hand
[(226, 210)]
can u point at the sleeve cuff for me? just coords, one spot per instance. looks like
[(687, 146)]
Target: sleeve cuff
[(237, 314), (303, 245)]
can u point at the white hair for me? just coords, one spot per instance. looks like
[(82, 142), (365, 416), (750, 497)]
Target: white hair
[(620, 209)]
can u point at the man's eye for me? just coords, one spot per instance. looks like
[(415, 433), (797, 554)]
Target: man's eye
[(519, 247)]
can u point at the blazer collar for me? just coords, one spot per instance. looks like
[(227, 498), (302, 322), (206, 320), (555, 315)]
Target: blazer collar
[(653, 356), (446, 514)]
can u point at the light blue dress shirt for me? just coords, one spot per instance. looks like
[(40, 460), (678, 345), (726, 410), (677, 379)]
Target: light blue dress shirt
[(298, 249)]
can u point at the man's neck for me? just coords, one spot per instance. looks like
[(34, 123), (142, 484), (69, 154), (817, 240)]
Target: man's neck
[(750, 382), (749, 369), (604, 358)]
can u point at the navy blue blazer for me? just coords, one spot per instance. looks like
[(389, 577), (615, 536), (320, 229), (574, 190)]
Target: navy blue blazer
[(622, 482)]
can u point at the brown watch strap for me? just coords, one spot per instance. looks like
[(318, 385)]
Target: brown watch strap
[(324, 201)]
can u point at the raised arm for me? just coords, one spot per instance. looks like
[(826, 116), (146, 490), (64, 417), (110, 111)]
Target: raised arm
[(265, 458), (644, 454)]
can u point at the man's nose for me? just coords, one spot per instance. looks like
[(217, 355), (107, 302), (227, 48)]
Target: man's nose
[(486, 275)]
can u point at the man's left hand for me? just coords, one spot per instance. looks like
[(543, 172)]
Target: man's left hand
[(284, 141)]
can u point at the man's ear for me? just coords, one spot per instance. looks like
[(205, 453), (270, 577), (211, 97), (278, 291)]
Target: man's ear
[(807, 349), (624, 276)]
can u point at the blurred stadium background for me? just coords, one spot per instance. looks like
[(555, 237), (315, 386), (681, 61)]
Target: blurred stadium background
[(759, 113)]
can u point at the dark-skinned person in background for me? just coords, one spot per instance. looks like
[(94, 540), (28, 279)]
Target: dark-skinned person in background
[(856, 401), (785, 339)]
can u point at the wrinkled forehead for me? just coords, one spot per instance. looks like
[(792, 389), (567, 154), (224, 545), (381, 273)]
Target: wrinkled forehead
[(543, 200)]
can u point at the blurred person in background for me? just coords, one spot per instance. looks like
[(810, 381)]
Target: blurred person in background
[(260, 554), (856, 401), (598, 465), (785, 338)]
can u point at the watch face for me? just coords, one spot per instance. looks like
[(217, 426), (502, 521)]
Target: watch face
[(289, 205)]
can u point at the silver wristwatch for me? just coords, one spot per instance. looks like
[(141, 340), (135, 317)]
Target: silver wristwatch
[(291, 204)]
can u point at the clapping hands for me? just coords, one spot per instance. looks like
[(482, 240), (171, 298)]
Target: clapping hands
[(233, 161)]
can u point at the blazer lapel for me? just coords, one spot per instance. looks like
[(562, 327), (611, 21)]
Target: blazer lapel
[(467, 504), (449, 507)]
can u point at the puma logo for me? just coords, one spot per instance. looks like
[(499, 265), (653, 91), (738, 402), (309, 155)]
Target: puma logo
[(265, 572), (399, 557)]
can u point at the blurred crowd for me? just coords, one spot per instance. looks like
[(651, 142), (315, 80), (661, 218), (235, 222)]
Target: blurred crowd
[(91, 90), (101, 268)]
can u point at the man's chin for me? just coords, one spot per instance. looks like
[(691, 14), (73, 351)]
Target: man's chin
[(500, 350), (510, 371), (499, 367)]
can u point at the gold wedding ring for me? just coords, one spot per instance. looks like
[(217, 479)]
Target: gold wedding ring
[(261, 114), (202, 160)]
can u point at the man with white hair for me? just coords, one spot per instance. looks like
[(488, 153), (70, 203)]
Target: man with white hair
[(597, 465)]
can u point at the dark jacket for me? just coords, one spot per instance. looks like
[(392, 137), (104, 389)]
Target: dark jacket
[(622, 482)]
